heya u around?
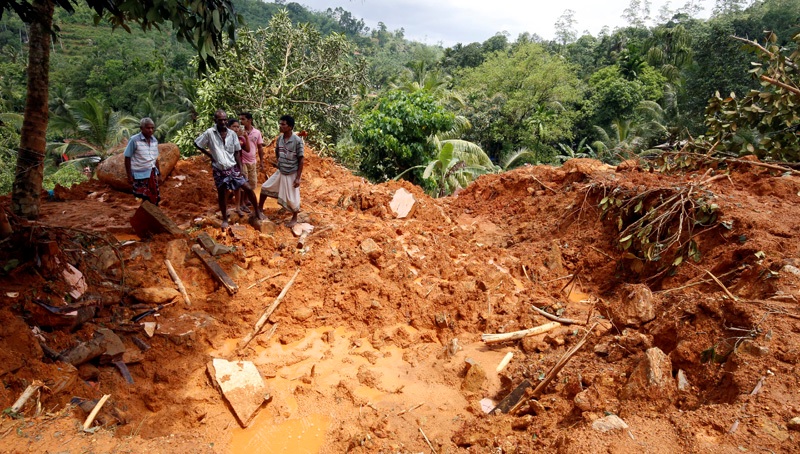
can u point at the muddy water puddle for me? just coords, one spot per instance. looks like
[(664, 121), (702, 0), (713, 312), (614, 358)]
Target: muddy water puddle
[(407, 386)]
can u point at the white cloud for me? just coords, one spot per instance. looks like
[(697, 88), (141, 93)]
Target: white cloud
[(466, 21)]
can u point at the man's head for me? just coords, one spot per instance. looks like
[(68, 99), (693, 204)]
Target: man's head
[(246, 118), (148, 127), (221, 120), (286, 123)]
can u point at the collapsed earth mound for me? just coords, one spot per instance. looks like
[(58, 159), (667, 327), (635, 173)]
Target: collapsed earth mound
[(674, 297)]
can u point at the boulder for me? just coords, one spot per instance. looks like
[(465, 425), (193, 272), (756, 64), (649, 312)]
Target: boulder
[(112, 170), (635, 308), (242, 386), (651, 378)]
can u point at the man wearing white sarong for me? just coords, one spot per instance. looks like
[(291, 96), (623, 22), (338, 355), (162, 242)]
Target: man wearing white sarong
[(284, 184)]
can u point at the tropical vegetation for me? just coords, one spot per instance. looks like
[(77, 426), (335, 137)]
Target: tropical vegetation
[(388, 107)]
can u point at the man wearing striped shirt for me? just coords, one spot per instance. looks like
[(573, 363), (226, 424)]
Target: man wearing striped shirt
[(141, 163), (284, 184)]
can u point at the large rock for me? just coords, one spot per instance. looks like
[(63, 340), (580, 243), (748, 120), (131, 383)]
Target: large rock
[(651, 379), (635, 308), (609, 423), (112, 170), (474, 378)]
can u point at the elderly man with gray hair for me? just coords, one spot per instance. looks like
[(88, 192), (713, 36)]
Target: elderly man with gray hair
[(141, 162)]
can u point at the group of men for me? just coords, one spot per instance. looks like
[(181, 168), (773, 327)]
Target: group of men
[(233, 146)]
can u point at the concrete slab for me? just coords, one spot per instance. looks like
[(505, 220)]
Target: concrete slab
[(403, 204), (241, 385)]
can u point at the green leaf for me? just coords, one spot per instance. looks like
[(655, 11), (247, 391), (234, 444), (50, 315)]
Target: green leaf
[(217, 22)]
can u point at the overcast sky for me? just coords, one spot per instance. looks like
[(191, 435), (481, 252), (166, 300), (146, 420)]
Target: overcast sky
[(452, 21)]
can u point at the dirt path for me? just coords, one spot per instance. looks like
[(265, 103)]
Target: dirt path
[(377, 345)]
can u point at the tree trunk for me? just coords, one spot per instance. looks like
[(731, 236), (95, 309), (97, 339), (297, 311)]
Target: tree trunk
[(26, 192)]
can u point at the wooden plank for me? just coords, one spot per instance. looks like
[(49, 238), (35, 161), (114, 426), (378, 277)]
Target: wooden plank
[(495, 338), (265, 316), (211, 246), (512, 399), (215, 269)]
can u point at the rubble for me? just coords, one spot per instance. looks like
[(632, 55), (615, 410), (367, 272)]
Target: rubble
[(370, 329)]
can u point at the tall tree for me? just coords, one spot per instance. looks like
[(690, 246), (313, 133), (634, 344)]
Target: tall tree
[(203, 23), (286, 67), (637, 14), (512, 94), (565, 27)]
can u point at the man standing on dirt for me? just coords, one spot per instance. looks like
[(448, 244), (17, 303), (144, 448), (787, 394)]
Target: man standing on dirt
[(141, 163), (284, 184), (256, 141), (222, 145)]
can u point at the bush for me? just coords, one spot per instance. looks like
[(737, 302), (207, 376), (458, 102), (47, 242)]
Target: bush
[(66, 175)]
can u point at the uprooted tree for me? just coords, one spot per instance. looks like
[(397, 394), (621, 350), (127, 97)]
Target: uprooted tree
[(203, 23), (764, 122)]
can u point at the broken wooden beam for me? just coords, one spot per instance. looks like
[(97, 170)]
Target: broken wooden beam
[(301, 242), (90, 419), (495, 338), (265, 316), (266, 278), (26, 395), (213, 248), (555, 318), (504, 362), (512, 399), (215, 269)]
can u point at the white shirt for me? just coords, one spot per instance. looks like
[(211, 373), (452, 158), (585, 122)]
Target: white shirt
[(221, 149)]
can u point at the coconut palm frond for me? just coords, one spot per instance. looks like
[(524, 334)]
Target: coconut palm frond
[(511, 160)]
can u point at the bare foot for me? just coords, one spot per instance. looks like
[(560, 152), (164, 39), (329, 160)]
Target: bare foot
[(261, 216), (291, 222), (224, 225), (244, 208)]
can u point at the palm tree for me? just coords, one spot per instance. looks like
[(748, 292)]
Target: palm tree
[(670, 49), (418, 77), (91, 126), (632, 135), (518, 158), (581, 151), (457, 163), (60, 100), (162, 86)]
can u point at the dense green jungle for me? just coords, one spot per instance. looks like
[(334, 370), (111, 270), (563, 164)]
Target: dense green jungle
[(388, 107)]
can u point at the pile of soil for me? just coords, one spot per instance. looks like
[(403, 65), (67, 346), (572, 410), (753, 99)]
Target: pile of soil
[(377, 346)]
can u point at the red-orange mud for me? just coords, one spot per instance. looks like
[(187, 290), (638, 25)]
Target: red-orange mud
[(363, 357)]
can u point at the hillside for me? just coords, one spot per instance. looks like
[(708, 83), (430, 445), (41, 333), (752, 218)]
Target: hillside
[(376, 346)]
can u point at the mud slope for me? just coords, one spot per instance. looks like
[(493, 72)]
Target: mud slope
[(377, 346)]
